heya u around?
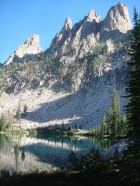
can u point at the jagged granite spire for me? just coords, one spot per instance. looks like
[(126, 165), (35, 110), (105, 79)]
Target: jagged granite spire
[(93, 16), (67, 25), (91, 31), (117, 19), (31, 46)]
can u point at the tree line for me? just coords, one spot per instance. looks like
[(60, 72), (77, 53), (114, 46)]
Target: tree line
[(114, 123)]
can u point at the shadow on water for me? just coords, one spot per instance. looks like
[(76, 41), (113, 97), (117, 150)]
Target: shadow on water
[(24, 154)]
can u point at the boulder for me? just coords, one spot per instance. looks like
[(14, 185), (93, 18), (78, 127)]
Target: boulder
[(116, 149)]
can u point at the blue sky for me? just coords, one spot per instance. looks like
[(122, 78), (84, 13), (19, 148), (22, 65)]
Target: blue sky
[(21, 18)]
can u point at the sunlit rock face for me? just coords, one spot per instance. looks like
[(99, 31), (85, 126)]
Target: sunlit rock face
[(80, 38), (117, 19), (30, 47), (116, 24), (91, 31), (93, 16)]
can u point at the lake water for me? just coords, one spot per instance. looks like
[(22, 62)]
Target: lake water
[(42, 152)]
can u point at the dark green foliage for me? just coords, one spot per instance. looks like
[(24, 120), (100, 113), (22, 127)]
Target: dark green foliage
[(100, 177), (104, 126), (2, 123), (91, 160), (113, 116), (73, 159), (86, 162), (113, 124), (25, 108), (133, 90), (18, 111), (23, 156)]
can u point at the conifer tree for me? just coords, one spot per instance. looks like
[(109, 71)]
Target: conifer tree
[(2, 123), (123, 125), (25, 108), (18, 111), (133, 90), (113, 116), (114, 119), (118, 113), (104, 126)]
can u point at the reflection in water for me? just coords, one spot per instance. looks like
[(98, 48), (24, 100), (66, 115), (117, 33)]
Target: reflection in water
[(24, 154)]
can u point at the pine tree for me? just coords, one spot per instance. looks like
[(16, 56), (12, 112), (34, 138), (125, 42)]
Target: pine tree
[(25, 108), (104, 126), (123, 125), (133, 90), (2, 123), (18, 111), (113, 116), (118, 113), (108, 120), (114, 119)]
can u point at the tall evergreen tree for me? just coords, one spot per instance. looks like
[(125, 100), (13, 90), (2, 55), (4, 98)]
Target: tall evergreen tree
[(2, 123), (104, 126), (118, 116), (123, 125), (133, 90), (113, 116), (18, 111)]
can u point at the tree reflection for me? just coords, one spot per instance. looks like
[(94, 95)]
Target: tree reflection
[(16, 152)]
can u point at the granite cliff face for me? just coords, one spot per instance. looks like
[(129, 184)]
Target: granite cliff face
[(117, 19), (30, 47), (91, 31)]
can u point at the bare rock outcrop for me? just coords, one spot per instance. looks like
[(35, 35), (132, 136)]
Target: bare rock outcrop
[(59, 43), (93, 16), (91, 31), (117, 19), (30, 47), (80, 38), (116, 24)]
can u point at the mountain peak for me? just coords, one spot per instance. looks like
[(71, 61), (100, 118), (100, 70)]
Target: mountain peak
[(31, 46), (67, 24), (122, 9), (118, 19), (33, 39), (93, 16), (120, 3)]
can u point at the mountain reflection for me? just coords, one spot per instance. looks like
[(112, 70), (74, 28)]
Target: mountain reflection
[(25, 153)]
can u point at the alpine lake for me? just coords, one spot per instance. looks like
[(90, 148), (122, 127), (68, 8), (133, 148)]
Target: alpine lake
[(23, 154)]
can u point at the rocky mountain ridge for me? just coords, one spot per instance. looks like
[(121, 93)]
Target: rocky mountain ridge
[(91, 31), (71, 83), (81, 38)]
